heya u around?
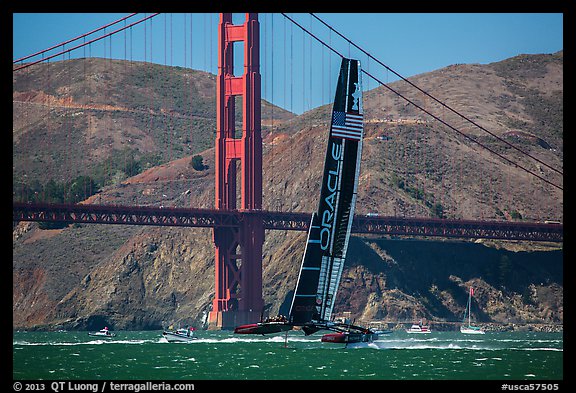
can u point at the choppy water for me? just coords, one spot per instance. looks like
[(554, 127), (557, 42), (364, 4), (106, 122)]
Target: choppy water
[(221, 355)]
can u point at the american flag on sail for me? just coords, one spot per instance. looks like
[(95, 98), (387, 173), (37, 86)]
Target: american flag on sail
[(347, 125)]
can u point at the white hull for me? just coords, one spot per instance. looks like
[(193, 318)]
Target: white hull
[(469, 329), (466, 330), (173, 337), (417, 329), (102, 335)]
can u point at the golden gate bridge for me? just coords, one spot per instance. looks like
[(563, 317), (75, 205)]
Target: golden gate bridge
[(239, 221)]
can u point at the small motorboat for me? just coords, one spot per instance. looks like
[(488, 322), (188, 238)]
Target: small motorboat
[(105, 333), (179, 335), (419, 328)]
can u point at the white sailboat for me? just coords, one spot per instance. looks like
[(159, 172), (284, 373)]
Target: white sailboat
[(469, 329)]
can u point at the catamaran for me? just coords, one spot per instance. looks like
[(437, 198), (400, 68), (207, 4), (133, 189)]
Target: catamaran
[(330, 226), (469, 329)]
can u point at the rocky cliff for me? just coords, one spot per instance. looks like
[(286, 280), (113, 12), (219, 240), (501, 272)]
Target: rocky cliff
[(159, 276)]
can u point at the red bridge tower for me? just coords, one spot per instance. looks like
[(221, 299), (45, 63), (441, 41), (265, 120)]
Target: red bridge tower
[(238, 251)]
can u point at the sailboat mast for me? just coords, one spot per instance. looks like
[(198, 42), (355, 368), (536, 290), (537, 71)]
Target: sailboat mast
[(469, 329), (470, 307)]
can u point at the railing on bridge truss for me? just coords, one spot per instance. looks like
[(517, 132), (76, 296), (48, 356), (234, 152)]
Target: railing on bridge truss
[(210, 218)]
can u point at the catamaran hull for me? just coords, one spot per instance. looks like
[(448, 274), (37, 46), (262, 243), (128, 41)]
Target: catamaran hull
[(263, 328), (349, 338)]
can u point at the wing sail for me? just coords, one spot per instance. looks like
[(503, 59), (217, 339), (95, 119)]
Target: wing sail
[(304, 306), (325, 254)]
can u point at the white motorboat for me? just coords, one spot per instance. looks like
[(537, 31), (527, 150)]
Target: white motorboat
[(103, 333), (419, 328), (179, 335)]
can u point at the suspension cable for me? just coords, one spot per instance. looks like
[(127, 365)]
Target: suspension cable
[(435, 99), (74, 39), (427, 112), (83, 44), (464, 135)]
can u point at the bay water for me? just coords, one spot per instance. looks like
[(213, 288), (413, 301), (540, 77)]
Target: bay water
[(222, 355)]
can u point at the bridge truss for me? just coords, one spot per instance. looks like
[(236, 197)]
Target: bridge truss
[(215, 218)]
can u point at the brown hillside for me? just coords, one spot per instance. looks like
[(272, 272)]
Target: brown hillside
[(80, 116)]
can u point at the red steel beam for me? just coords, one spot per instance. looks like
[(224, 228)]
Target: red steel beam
[(238, 251), (125, 215)]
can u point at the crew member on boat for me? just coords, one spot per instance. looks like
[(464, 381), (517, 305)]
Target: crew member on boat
[(278, 318)]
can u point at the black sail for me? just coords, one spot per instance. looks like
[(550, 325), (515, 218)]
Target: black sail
[(330, 227)]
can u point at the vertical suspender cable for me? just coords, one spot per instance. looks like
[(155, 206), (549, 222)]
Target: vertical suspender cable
[(90, 112), (303, 71), (204, 42), (285, 62), (62, 105), (329, 67), (272, 97), (170, 112), (291, 79), (87, 183), (106, 159), (190, 81), (264, 88), (322, 98), (310, 75), (422, 149), (47, 139), (210, 28), (63, 102), (110, 122), (127, 150), (185, 32), (192, 112), (164, 106)]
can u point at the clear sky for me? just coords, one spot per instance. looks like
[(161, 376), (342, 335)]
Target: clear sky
[(410, 43)]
